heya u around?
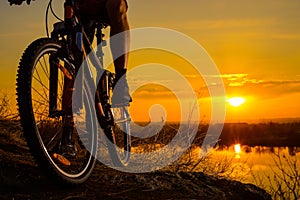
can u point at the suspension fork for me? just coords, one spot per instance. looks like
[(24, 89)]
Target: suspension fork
[(55, 66), (53, 86)]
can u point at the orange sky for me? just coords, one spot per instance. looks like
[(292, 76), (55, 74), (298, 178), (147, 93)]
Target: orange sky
[(255, 45)]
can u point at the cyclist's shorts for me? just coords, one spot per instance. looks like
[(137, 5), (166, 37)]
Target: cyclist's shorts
[(95, 8)]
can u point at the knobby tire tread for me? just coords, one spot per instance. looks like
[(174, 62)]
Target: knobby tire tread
[(24, 103)]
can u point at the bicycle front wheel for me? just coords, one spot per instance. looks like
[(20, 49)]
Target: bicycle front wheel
[(39, 98)]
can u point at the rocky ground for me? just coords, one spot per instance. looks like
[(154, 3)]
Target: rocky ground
[(21, 178)]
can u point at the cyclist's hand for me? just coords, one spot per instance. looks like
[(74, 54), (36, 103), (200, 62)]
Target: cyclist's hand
[(18, 2)]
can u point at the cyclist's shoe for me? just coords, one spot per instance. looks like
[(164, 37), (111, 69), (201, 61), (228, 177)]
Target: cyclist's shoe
[(121, 96), (67, 148), (68, 151)]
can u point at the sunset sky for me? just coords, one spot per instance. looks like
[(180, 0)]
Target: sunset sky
[(255, 45)]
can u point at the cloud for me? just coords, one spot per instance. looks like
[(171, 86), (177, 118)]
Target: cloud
[(261, 88)]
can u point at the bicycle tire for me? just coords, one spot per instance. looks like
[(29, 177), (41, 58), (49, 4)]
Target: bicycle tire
[(118, 137), (32, 104)]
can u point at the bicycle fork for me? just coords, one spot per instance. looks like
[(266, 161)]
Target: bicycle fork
[(68, 87)]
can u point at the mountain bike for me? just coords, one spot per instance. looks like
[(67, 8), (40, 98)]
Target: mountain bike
[(45, 66)]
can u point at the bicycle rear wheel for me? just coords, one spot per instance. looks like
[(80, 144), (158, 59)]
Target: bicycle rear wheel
[(42, 124), (118, 137)]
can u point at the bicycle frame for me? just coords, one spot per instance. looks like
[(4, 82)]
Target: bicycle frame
[(60, 102), (67, 37)]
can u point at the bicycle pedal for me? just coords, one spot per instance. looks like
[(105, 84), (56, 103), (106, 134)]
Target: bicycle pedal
[(63, 160)]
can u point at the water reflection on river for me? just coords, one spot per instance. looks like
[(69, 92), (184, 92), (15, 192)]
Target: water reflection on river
[(260, 161), (240, 162)]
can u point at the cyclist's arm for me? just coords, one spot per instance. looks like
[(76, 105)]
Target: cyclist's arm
[(18, 2)]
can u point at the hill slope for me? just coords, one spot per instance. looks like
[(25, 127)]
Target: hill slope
[(20, 178)]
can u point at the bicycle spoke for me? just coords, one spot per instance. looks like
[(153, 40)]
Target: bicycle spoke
[(40, 94), (40, 82), (52, 139), (39, 102)]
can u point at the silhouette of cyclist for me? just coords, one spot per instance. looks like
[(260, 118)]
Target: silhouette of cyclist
[(113, 13)]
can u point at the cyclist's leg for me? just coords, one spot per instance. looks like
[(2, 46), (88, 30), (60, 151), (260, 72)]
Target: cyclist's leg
[(69, 134), (67, 142), (116, 11)]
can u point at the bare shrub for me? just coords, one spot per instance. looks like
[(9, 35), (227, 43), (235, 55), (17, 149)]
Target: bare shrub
[(224, 166), (284, 181), (7, 108)]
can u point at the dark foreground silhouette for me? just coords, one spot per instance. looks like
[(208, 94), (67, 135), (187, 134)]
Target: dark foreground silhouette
[(20, 178)]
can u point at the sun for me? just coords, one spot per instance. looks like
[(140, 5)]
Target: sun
[(237, 148), (236, 101)]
